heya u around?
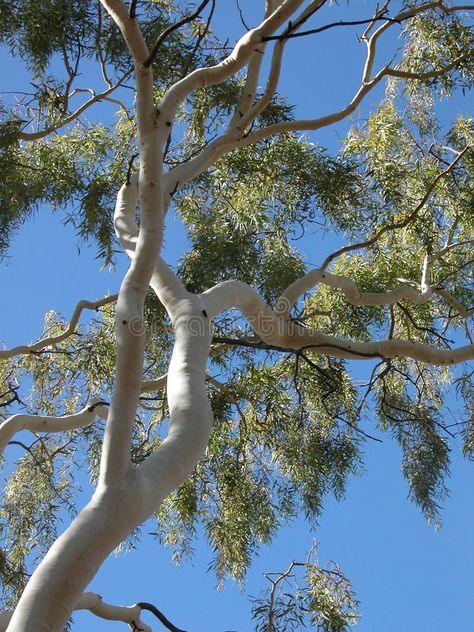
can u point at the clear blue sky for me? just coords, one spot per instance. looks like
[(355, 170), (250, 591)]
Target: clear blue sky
[(408, 577)]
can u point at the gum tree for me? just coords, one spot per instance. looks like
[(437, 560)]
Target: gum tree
[(217, 145)]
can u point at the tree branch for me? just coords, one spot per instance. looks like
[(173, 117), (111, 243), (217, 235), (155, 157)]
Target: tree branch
[(101, 96), (48, 600), (38, 423), (180, 175), (50, 341), (235, 138), (129, 313), (402, 223), (132, 9), (352, 293), (245, 113), (431, 74), (159, 615), (326, 27), (240, 56), (173, 27), (97, 606), (277, 331)]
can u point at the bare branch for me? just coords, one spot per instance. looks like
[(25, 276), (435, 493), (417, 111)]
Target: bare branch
[(455, 304), (100, 52), (38, 423), (352, 293), (244, 113), (373, 40), (241, 14), (431, 74), (159, 615), (232, 140), (115, 463), (239, 57), (459, 7), (101, 96), (50, 341), (201, 36), (279, 332), (132, 9), (326, 27), (122, 105), (97, 606), (350, 290)]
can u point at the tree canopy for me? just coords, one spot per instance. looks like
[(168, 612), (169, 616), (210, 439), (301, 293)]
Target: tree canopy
[(246, 178)]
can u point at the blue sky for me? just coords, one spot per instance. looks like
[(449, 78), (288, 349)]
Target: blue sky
[(408, 577)]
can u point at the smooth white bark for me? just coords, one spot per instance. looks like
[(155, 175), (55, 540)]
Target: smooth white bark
[(97, 606), (75, 557), (353, 294), (115, 462), (236, 138), (118, 505), (38, 423), (190, 412), (275, 330)]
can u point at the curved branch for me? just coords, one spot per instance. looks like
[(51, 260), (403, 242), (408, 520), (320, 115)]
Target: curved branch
[(326, 27), (455, 304), (110, 612), (170, 29), (122, 105), (50, 341), (37, 423), (239, 57), (402, 223), (190, 412), (235, 139), (244, 110), (430, 74), (102, 96), (48, 600), (115, 462), (352, 293), (128, 614), (155, 385), (159, 615), (335, 117), (277, 331), (252, 112), (250, 87)]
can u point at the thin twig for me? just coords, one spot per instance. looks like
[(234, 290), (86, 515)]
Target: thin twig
[(403, 223), (132, 10), (38, 346), (173, 27), (320, 29)]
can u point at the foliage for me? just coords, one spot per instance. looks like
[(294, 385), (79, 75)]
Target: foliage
[(325, 601)]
